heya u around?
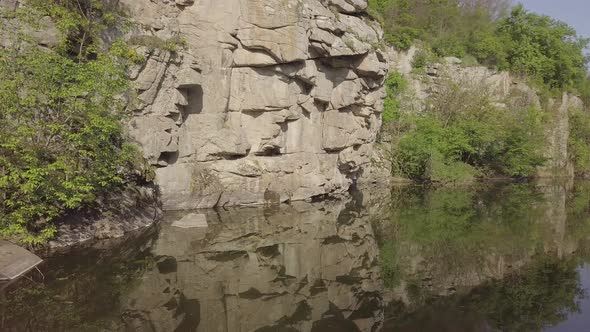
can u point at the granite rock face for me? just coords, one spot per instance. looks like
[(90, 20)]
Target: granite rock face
[(45, 33), (265, 101), (557, 137)]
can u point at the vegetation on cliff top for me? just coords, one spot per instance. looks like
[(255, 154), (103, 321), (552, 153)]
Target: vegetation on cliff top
[(62, 142), (496, 34), (463, 133)]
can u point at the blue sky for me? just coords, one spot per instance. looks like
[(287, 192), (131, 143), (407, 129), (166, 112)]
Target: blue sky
[(573, 12)]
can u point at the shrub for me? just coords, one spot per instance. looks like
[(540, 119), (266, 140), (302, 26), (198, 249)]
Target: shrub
[(62, 143), (543, 48), (422, 59), (463, 135), (469, 61), (171, 44), (394, 85), (495, 33)]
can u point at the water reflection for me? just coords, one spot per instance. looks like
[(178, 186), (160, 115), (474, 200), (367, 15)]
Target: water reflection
[(291, 268), (496, 257), (303, 267)]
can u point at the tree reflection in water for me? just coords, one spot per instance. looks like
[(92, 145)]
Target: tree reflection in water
[(495, 257), (480, 258)]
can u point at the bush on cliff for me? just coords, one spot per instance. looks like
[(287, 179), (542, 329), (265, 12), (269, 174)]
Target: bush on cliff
[(394, 85), (548, 53), (463, 135), (543, 48), (61, 136)]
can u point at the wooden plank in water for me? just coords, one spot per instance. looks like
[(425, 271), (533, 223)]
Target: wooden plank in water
[(15, 261)]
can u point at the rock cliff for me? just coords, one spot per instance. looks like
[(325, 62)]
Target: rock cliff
[(260, 100)]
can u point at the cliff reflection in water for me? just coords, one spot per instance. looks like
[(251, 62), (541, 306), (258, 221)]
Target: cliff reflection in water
[(289, 268), (491, 257), (303, 267)]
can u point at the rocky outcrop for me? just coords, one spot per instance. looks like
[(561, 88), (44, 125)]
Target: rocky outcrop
[(44, 32), (114, 217), (262, 101), (557, 134), (499, 86)]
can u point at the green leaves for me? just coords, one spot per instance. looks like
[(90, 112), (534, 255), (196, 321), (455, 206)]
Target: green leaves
[(463, 136), (546, 50), (62, 141), (394, 85), (543, 48)]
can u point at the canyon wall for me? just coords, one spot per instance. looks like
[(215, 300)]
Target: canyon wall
[(255, 101)]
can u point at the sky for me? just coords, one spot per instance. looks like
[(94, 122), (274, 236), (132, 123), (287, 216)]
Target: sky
[(573, 12)]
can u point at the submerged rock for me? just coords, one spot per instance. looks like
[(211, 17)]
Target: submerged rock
[(191, 220)]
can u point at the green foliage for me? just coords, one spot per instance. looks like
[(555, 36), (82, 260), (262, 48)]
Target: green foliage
[(525, 43), (445, 24), (543, 48), (172, 44), (547, 52), (469, 61), (394, 85), (422, 58), (442, 169), (463, 135), (61, 138), (81, 23), (395, 17), (579, 140)]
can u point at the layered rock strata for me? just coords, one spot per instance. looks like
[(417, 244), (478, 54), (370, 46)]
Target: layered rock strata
[(251, 101)]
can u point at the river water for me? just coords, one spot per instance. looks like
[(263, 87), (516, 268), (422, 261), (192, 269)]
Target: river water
[(488, 257)]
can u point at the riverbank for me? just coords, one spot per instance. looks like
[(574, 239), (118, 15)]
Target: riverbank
[(133, 212), (116, 216)]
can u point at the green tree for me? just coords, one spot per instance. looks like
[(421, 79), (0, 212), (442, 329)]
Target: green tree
[(62, 143), (544, 48)]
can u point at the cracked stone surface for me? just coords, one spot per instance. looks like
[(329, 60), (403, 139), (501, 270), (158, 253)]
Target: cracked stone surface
[(270, 101)]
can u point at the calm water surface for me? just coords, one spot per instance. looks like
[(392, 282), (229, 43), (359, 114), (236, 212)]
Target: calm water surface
[(495, 257)]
